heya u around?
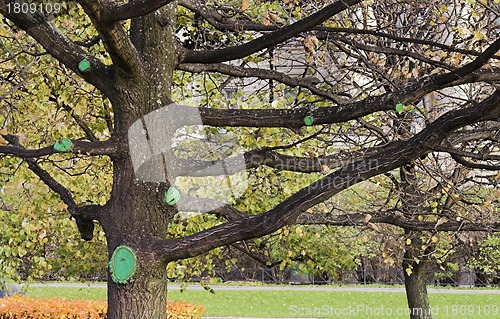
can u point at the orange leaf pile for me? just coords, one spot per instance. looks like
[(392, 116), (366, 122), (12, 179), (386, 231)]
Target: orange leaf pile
[(183, 310), (21, 307)]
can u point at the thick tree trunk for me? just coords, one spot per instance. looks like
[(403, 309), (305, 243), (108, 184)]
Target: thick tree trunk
[(136, 217), (137, 214), (144, 298), (416, 288)]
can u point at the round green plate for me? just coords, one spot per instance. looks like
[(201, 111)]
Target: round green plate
[(122, 264), (172, 195), (64, 145), (308, 120), (84, 65), (399, 107)]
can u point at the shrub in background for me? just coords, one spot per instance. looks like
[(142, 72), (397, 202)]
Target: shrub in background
[(20, 307)]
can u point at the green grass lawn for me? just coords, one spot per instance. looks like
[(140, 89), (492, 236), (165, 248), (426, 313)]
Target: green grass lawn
[(325, 304)]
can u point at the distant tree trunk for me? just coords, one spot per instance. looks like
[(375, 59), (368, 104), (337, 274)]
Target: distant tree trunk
[(416, 287), (414, 260)]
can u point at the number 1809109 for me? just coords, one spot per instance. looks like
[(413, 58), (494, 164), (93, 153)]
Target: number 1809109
[(27, 7)]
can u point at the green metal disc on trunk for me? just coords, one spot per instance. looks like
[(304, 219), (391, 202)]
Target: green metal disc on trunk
[(84, 65), (64, 145), (172, 195), (308, 120), (122, 264), (399, 107)]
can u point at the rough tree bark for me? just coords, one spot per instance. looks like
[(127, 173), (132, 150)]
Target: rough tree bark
[(414, 262), (416, 286), (136, 210)]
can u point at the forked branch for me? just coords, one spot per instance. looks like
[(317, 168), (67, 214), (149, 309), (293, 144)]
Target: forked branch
[(394, 155), (60, 46), (84, 215), (270, 39)]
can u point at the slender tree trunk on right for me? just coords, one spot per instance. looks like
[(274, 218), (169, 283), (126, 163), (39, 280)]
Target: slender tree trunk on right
[(414, 260), (416, 286)]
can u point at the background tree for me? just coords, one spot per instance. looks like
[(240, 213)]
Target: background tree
[(349, 74)]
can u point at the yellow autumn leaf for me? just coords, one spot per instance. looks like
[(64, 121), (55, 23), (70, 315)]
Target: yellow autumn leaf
[(441, 221), (42, 234), (374, 226), (61, 206), (310, 43), (390, 261), (325, 169), (244, 5), (298, 230), (367, 218), (478, 36), (409, 271)]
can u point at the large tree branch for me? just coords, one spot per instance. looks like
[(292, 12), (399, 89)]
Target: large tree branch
[(323, 32), (84, 215), (135, 8), (395, 154), (108, 147), (466, 163), (326, 115), (268, 40), (477, 156), (393, 217), (268, 157), (114, 36), (294, 118), (237, 71), (222, 22), (59, 46), (390, 217), (488, 159)]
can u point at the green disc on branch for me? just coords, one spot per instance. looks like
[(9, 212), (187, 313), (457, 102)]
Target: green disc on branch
[(122, 264), (172, 195), (84, 65), (399, 107), (63, 146), (308, 120)]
